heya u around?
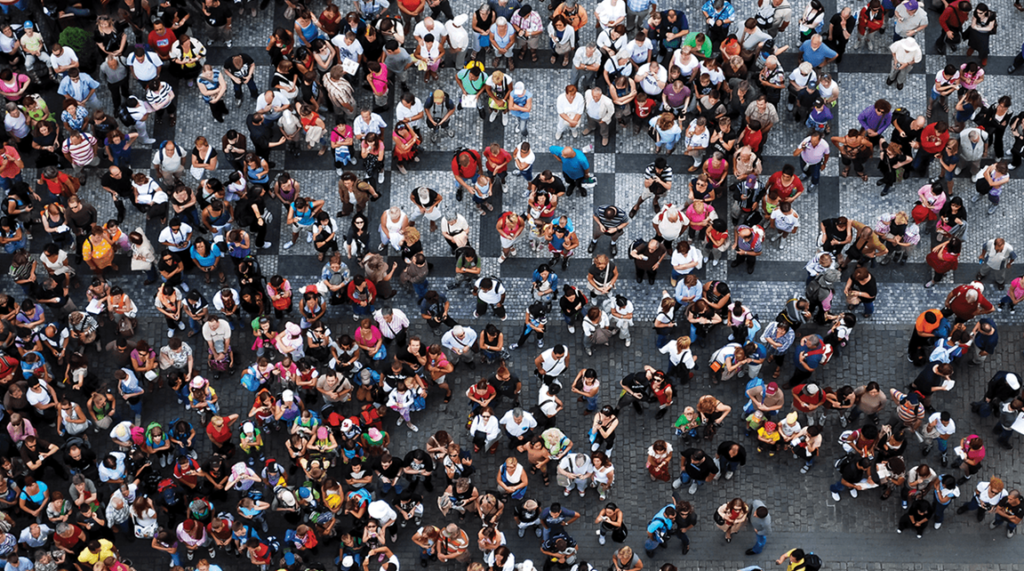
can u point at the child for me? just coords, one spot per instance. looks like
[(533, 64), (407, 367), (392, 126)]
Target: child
[(768, 437), (687, 423), (481, 192), (754, 421)]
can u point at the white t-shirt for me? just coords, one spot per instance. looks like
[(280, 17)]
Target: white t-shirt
[(944, 430), (42, 397), (527, 159), (546, 401), (17, 126), (785, 222), (458, 37), (347, 51), (551, 365), (650, 82), (145, 70), (639, 52), (439, 31), (518, 429), (402, 113), (493, 295), (693, 255), (179, 238), (68, 56), (575, 107)]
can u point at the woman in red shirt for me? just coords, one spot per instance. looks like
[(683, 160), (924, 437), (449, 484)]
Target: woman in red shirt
[(219, 432)]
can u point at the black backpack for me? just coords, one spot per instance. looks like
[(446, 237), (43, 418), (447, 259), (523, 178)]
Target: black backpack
[(811, 562), (125, 116)]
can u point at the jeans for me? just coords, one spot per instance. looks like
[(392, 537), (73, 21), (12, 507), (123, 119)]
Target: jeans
[(421, 289), (940, 510), (686, 479), (813, 171), (838, 487), (7, 183), (762, 540), (999, 521), (251, 84)]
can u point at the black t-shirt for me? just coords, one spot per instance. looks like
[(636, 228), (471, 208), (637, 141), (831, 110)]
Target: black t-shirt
[(392, 378), (698, 471), (927, 381), (837, 23), (218, 16), (851, 472), (903, 121), (242, 71), (392, 471), (419, 459), (111, 41), (832, 231), (507, 387), (723, 452), (554, 186), (732, 135), (636, 382), (164, 265), (260, 134), (599, 274), (1015, 511), (870, 288), (57, 294), (405, 356), (408, 500), (570, 307), (537, 313), (524, 515)]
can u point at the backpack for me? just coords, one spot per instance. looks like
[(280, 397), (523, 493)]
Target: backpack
[(125, 116), (471, 64), (249, 380), (811, 562), (900, 112)]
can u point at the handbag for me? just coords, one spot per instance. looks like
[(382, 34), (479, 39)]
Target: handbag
[(717, 517), (381, 354), (620, 534)]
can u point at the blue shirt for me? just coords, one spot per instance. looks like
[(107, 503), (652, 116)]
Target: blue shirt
[(212, 84), (212, 253), (987, 343), (727, 13), (574, 168), (79, 90), (660, 522), (555, 522), (816, 57), (812, 360)]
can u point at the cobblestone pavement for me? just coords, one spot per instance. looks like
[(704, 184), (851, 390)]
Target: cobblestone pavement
[(852, 534)]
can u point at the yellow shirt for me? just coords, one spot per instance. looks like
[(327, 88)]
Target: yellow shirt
[(90, 558)]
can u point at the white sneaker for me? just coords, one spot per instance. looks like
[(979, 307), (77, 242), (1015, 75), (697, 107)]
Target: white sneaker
[(628, 342), (836, 497), (380, 178), (693, 488), (728, 475), (400, 421), (413, 427), (309, 238), (731, 338), (572, 329), (266, 245), (714, 263), (494, 115), (566, 492), (600, 538), (148, 141), (677, 483), (558, 136), (583, 493), (504, 118), (594, 447), (938, 524), (853, 493), (288, 244)]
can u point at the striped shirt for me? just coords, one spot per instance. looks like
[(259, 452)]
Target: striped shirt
[(161, 97), (212, 84), (639, 5), (908, 412), (82, 153), (664, 176)]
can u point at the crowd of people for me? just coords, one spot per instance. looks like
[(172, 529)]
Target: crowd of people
[(85, 465)]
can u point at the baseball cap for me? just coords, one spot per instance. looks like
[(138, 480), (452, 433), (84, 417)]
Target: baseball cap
[(770, 426), (28, 24), (819, 102), (288, 396), (248, 428), (911, 5), (812, 389), (1013, 381), (519, 88), (460, 20), (346, 425), (771, 389), (293, 328)]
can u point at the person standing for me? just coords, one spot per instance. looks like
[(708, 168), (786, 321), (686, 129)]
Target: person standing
[(575, 167), (761, 521), (995, 258), (647, 256), (749, 245), (813, 153), (905, 53)]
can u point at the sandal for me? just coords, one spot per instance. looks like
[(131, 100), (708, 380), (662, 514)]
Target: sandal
[(533, 56), (553, 58), (222, 279), (864, 177), (845, 173), (778, 371)]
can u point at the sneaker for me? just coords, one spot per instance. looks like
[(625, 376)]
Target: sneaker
[(540, 343), (1010, 532), (380, 178), (976, 198), (904, 504), (400, 421), (538, 531), (853, 493), (572, 329), (693, 488), (170, 333), (992, 209), (522, 532), (600, 538), (513, 346), (1011, 69), (288, 245), (594, 447), (566, 492), (728, 475), (835, 497), (494, 115), (583, 493), (266, 245), (898, 530), (504, 119), (413, 427), (309, 238), (993, 525), (628, 342), (805, 469), (677, 483), (938, 524)]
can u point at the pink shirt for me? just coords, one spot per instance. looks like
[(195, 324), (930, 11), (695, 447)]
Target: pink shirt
[(375, 336)]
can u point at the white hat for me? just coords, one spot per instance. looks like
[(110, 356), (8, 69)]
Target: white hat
[(519, 88), (1013, 381), (460, 20), (347, 561), (378, 510), (288, 396), (248, 428)]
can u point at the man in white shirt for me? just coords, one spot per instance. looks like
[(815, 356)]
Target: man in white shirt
[(271, 104), (552, 363), (367, 122), (167, 162), (995, 258), (144, 66), (410, 110), (430, 26), (570, 107), (63, 59), (651, 77), (459, 341), (620, 313), (349, 47), (905, 53), (458, 39), (698, 137), (518, 425), (177, 237), (600, 113), (586, 62), (489, 293), (576, 469), (393, 325)]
